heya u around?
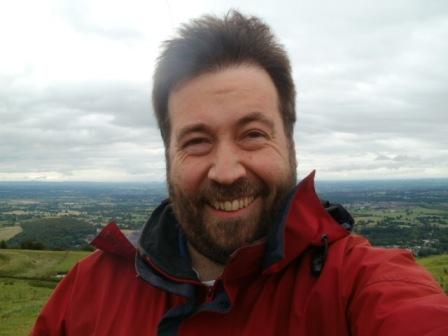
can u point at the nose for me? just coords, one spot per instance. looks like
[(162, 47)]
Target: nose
[(227, 166)]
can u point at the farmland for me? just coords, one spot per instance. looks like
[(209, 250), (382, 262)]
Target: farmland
[(406, 213), (8, 232)]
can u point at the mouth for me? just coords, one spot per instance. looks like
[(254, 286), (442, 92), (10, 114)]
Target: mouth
[(232, 205)]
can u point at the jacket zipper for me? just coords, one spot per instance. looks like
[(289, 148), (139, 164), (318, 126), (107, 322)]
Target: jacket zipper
[(210, 293)]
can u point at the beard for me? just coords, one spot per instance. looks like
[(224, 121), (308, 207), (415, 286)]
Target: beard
[(217, 238)]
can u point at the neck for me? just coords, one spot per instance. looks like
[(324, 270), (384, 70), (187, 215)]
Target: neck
[(207, 269)]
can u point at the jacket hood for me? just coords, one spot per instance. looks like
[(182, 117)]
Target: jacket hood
[(304, 224)]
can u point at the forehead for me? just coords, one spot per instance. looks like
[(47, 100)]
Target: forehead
[(223, 95)]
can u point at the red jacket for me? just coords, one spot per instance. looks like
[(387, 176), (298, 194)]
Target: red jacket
[(309, 277)]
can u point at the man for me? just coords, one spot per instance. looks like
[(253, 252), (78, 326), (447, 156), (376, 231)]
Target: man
[(238, 249)]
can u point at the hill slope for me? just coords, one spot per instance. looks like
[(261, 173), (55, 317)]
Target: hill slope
[(42, 265), (27, 279), (438, 266)]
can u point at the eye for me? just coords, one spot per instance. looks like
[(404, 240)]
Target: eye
[(197, 146), (194, 141), (254, 139), (255, 135)]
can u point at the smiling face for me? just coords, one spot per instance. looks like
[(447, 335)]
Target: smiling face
[(230, 162)]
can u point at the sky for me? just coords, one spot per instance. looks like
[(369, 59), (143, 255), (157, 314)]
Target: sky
[(75, 86)]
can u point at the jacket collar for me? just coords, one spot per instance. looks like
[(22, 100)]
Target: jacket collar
[(113, 241), (305, 222), (162, 245), (301, 225)]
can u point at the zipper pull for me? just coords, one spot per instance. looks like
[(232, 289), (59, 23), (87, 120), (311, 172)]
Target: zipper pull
[(210, 293)]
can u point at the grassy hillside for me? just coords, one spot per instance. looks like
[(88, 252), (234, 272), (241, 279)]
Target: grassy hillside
[(21, 301), (438, 266), (44, 265), (27, 279)]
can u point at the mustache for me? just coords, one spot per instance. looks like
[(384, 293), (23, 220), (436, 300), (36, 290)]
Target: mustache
[(213, 191)]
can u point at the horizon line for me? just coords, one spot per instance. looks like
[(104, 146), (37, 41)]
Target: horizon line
[(299, 179)]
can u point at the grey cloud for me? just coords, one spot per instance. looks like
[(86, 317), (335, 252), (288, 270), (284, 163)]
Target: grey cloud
[(69, 127), (372, 95), (382, 157), (376, 69), (397, 158), (59, 104), (128, 103), (404, 158)]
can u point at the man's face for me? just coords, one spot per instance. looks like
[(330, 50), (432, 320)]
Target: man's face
[(230, 162)]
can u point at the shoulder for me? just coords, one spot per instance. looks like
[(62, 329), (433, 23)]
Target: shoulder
[(376, 265), (99, 268), (388, 293)]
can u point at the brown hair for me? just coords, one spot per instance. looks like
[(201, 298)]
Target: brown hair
[(210, 43)]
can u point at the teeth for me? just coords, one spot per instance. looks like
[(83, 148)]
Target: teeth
[(233, 205)]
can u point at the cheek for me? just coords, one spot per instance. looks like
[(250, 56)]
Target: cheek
[(269, 166), (187, 174)]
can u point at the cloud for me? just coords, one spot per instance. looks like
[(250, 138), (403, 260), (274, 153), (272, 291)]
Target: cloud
[(88, 131), (75, 84)]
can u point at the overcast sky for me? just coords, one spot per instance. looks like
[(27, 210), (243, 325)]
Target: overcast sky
[(75, 83)]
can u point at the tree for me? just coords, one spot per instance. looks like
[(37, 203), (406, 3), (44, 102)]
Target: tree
[(31, 245)]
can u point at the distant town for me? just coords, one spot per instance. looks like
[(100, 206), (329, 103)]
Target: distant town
[(66, 216)]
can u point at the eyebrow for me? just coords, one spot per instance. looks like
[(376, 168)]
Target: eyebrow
[(203, 128), (256, 117), (199, 128)]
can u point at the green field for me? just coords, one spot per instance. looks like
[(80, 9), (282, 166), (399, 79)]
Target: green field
[(9, 231), (43, 265), (21, 301), (406, 214), (27, 279), (438, 266)]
